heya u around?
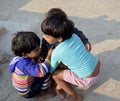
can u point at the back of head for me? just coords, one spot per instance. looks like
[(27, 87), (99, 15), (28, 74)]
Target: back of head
[(56, 12), (57, 24), (24, 42)]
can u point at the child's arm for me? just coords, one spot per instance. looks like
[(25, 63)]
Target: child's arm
[(83, 38), (44, 49), (37, 70), (40, 69)]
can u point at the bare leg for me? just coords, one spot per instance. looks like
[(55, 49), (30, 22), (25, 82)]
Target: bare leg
[(61, 93), (58, 77)]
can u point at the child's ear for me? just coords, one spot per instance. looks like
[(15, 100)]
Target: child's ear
[(60, 39)]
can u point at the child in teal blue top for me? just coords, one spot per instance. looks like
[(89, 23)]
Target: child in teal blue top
[(80, 61), (83, 66), (45, 45)]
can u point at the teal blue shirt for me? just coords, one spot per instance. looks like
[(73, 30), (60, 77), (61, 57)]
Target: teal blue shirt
[(73, 54)]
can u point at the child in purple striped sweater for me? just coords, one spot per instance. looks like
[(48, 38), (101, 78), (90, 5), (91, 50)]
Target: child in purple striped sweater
[(29, 78)]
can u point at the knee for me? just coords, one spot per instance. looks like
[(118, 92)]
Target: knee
[(58, 75), (55, 76)]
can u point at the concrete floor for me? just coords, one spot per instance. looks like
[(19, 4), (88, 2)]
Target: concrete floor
[(98, 19)]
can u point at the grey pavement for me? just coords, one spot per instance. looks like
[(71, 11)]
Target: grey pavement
[(98, 19)]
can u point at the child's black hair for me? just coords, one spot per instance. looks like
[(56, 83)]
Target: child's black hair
[(24, 42), (57, 26), (55, 12)]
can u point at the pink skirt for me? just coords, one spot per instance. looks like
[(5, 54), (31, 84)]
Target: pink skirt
[(72, 78)]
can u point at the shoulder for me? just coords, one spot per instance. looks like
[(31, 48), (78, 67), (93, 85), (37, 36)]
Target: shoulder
[(24, 61), (74, 37)]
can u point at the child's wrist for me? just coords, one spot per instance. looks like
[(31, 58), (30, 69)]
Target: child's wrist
[(47, 60)]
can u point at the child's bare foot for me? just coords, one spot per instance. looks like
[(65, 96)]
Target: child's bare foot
[(46, 94), (72, 98), (61, 93)]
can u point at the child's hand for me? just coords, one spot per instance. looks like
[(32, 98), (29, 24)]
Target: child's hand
[(39, 60), (49, 53), (88, 46)]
